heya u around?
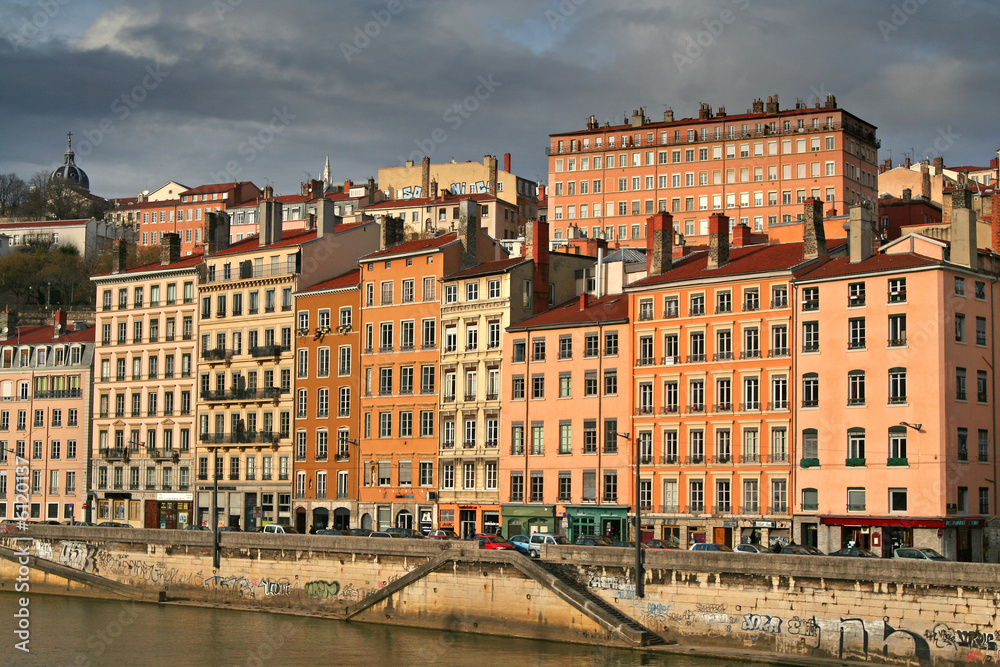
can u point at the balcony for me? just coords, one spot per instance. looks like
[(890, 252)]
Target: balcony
[(470, 397), (810, 403), (750, 458), (343, 456), (260, 351), (492, 444), (724, 407), (670, 409), (779, 302), (809, 463), (644, 410), (723, 308), (778, 352), (897, 296), (722, 356), (750, 354), (115, 453), (670, 360), (897, 461), (59, 393), (245, 438), (644, 361), (724, 508), (696, 459), (218, 354), (670, 508), (670, 459), (254, 394), (698, 407), (492, 396), (692, 358), (855, 462), (752, 406), (776, 457), (777, 405)]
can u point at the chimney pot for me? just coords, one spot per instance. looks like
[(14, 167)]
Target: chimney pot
[(813, 234), (659, 243), (861, 236), (718, 240), (119, 258), (170, 248)]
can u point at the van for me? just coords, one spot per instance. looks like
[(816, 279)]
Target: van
[(279, 528), (536, 541)]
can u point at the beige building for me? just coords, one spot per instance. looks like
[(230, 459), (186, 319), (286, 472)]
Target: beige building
[(245, 357), (87, 236), (144, 413)]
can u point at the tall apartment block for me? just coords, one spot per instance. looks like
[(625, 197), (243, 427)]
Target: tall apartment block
[(757, 168)]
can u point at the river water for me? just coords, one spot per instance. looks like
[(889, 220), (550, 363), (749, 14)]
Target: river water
[(89, 632)]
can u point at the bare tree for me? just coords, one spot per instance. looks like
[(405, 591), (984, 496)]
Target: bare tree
[(13, 193)]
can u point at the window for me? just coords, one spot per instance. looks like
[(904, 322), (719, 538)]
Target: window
[(611, 344), (810, 298), (855, 294), (897, 330), (723, 302), (471, 291), (856, 447), (963, 444), (897, 386), (517, 487), (855, 500), (810, 336), (856, 333), (982, 384), (696, 496), (538, 386), (451, 293), (897, 446), (960, 386), (984, 499), (697, 305), (981, 331), (538, 349), (959, 286), (984, 445), (610, 485), (537, 486), (959, 328), (856, 387), (611, 382)]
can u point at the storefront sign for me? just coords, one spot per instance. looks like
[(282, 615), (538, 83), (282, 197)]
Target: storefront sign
[(173, 496), (764, 524), (730, 524)]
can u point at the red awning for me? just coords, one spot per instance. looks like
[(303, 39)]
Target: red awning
[(928, 522)]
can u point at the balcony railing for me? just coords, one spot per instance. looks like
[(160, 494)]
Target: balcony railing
[(670, 459), (59, 393), (243, 394), (218, 354), (266, 351), (247, 437)]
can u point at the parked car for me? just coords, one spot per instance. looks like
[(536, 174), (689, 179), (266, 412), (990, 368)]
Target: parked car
[(856, 552), (197, 527), (493, 542), (50, 522), (442, 534), (357, 532), (230, 529), (520, 543), (79, 523), (800, 550), (658, 544), (630, 545), (330, 531), (279, 529), (406, 532), (536, 541), (591, 541), (749, 549), (113, 524), (709, 546), (917, 553), (379, 533)]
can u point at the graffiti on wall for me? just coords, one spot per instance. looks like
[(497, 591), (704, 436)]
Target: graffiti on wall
[(249, 587), (79, 555)]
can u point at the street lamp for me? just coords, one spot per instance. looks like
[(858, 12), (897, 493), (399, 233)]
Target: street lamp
[(915, 427), (640, 576)]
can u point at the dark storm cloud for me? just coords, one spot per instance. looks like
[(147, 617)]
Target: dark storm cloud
[(205, 83)]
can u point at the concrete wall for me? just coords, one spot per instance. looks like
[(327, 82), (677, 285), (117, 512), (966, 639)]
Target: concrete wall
[(836, 608)]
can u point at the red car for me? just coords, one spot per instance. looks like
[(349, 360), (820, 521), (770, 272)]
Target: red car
[(493, 542)]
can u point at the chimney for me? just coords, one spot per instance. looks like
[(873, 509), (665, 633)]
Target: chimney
[(861, 240), (925, 182), (119, 256), (390, 232), (831, 101), (637, 115), (493, 176), (758, 106), (964, 249), (995, 223), (425, 174), (813, 234), (668, 116), (371, 190), (679, 248), (659, 243), (772, 103), (907, 194), (270, 223), (8, 323), (938, 164), (310, 222), (583, 300), (326, 220), (907, 163), (268, 192), (536, 246), (215, 230), (882, 168), (741, 236), (170, 248), (506, 162), (831, 213), (468, 231), (704, 111), (721, 113), (315, 188), (718, 240), (541, 191), (58, 323), (434, 189)]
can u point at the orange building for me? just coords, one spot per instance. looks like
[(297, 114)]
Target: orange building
[(896, 422), (327, 414), (400, 328), (567, 409), (756, 167), (712, 337), (45, 399)]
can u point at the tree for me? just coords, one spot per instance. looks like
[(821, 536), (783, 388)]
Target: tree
[(58, 199), (13, 193)]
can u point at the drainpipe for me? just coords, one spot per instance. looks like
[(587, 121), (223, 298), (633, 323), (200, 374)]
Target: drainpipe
[(793, 342)]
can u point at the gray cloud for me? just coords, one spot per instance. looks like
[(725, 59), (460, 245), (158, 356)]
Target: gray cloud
[(367, 83)]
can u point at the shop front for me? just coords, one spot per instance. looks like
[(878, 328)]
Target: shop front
[(469, 520), (527, 519), (609, 521), (956, 539), (168, 511)]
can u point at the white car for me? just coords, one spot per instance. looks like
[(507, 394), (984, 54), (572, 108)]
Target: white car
[(536, 541), (749, 549), (278, 528)]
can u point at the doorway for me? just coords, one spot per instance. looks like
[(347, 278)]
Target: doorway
[(467, 523), (341, 518), (300, 519)]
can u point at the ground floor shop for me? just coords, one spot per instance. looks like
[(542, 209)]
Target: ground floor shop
[(518, 519), (323, 514), (684, 531), (168, 511), (244, 508), (382, 516), (468, 520), (609, 521), (956, 539)]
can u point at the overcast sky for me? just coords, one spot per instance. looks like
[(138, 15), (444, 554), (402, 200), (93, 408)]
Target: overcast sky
[(201, 91)]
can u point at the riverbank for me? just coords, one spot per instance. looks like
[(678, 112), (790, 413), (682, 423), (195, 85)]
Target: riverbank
[(806, 609)]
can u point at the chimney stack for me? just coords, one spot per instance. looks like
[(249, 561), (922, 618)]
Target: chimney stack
[(390, 232), (704, 111), (772, 103), (493, 175), (813, 233), (536, 246), (938, 164), (718, 240), (215, 230), (541, 191), (659, 243), (583, 301), (668, 116), (8, 323), (506, 162), (758, 106), (170, 248), (268, 192), (425, 174), (468, 231), (326, 220), (861, 239), (964, 248), (433, 192), (637, 117), (119, 256), (741, 236), (907, 163), (371, 190), (58, 323), (907, 194), (270, 223), (925, 182)]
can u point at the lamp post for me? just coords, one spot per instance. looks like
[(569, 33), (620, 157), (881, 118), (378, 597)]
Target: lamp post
[(216, 555), (640, 576)]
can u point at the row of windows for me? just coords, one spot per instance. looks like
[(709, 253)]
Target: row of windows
[(723, 400), (896, 500), (857, 453), (56, 450), (386, 383), (139, 295), (323, 403), (152, 367), (152, 445), (156, 403), (245, 467), (591, 347), (322, 438), (343, 484), (470, 432), (166, 480), (344, 321), (38, 418), (253, 306), (37, 356), (724, 349), (537, 390), (141, 334), (404, 424), (380, 473), (45, 386), (68, 487), (344, 362), (471, 291)]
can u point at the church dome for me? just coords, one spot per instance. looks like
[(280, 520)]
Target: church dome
[(69, 171)]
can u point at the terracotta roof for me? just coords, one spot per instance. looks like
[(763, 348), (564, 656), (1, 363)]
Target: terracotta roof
[(742, 260), (427, 201), (611, 308), (350, 279), (183, 263), (289, 237), (215, 187), (484, 268), (841, 266), (44, 333), (44, 223), (416, 245)]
